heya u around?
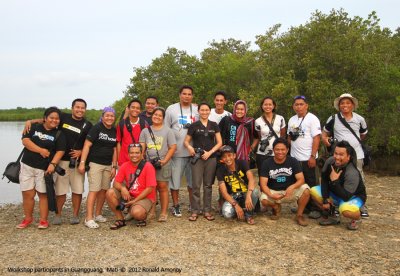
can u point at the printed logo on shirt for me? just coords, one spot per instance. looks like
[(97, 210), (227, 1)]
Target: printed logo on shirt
[(232, 134), (157, 145), (235, 184), (136, 184), (72, 128), (183, 119), (44, 136), (280, 174), (105, 137)]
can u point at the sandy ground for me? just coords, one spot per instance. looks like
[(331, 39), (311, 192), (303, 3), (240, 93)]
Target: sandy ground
[(211, 248)]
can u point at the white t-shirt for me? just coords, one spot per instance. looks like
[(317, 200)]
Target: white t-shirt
[(307, 127), (265, 133), (215, 117)]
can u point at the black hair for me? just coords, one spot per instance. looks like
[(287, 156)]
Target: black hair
[(349, 149), (159, 109), (135, 101), (152, 97), (222, 93), (185, 87), (280, 140), (50, 110), (267, 98), (79, 100), (201, 104)]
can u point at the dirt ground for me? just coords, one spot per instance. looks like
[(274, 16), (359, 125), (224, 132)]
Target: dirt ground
[(220, 247)]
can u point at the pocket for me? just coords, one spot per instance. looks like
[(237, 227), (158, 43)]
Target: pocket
[(167, 170)]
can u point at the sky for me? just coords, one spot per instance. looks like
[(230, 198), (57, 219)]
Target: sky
[(52, 52)]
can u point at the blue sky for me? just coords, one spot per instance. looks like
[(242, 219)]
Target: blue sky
[(54, 51)]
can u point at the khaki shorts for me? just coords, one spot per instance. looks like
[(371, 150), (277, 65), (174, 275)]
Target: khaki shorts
[(164, 174), (99, 177), (145, 203), (72, 178), (295, 197), (31, 179)]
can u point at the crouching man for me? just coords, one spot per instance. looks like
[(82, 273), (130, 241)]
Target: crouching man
[(138, 194), (237, 186), (341, 185), (282, 180)]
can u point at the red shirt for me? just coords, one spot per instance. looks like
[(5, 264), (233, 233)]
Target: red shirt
[(126, 141), (147, 178)]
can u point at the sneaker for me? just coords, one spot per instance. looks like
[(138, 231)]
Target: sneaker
[(25, 223), (354, 224), (176, 211), (43, 224), (325, 221), (91, 224), (314, 215), (364, 212), (301, 220), (56, 220), (74, 220), (100, 218)]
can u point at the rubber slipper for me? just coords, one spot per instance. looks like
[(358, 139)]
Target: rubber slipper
[(118, 224), (91, 224), (250, 220), (141, 223), (209, 217), (162, 218), (193, 217)]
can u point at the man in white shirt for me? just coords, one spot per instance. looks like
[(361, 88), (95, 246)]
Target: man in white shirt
[(219, 112)]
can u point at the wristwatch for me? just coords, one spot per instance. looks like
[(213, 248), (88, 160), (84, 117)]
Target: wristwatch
[(234, 203)]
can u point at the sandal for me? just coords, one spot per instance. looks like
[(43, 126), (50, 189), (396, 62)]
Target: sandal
[(162, 218), (91, 224), (141, 223), (118, 224), (193, 217), (209, 217), (250, 220)]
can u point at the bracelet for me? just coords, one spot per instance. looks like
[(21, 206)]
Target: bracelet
[(250, 190), (54, 164), (83, 161), (313, 156)]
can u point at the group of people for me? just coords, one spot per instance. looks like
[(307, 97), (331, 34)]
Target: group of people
[(150, 151)]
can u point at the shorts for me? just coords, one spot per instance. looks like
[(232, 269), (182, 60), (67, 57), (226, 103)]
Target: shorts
[(353, 204), (295, 197), (31, 179), (99, 177), (145, 203), (164, 174), (180, 166), (72, 178)]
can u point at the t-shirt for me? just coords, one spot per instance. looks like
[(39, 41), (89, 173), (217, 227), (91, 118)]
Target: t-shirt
[(204, 137), (44, 139), (229, 128), (232, 184), (215, 117), (176, 117), (163, 137), (307, 127), (264, 131), (147, 178), (104, 141), (340, 132), (280, 176), (75, 132), (144, 116), (126, 139)]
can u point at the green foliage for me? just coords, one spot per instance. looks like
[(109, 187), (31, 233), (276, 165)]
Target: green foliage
[(329, 55)]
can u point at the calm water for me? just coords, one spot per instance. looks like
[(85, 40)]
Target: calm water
[(11, 146)]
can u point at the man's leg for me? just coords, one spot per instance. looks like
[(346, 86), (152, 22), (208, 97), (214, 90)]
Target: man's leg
[(303, 195), (269, 202), (175, 183), (140, 210), (62, 186), (77, 181), (351, 209)]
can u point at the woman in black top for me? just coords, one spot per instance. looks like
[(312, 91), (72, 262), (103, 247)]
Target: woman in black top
[(100, 149), (44, 147), (206, 141)]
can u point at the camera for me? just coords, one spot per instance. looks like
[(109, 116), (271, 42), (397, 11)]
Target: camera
[(121, 205), (294, 135), (332, 141), (186, 126), (198, 153), (156, 163), (239, 198), (59, 170), (72, 163), (264, 144)]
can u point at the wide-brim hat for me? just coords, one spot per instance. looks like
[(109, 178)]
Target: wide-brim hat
[(343, 96)]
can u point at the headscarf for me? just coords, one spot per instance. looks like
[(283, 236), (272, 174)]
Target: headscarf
[(242, 134), (106, 109)]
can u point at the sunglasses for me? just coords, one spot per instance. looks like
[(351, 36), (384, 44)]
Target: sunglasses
[(135, 145), (300, 97)]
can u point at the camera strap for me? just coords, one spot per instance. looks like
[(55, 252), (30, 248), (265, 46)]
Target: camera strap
[(270, 126), (137, 173), (180, 107), (346, 124), (154, 141)]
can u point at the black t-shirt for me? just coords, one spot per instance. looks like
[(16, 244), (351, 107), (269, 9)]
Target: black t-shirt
[(44, 139), (280, 176), (72, 129), (203, 137), (232, 184), (104, 141), (229, 128)]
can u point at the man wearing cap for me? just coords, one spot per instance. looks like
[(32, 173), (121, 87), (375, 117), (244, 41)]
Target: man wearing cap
[(237, 186), (335, 128), (281, 180), (304, 130)]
